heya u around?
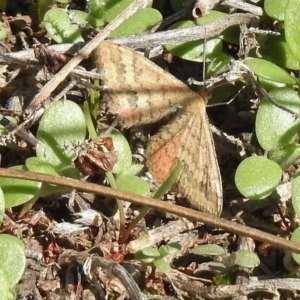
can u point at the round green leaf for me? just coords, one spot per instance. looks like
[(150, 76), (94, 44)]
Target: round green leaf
[(246, 259), (296, 238), (6, 291), (209, 249), (276, 49), (169, 249), (162, 266), (163, 250), (61, 127), (133, 169), (132, 184), (269, 73), (218, 65), (123, 150), (147, 255), (223, 93), (82, 18), (96, 8), (150, 252), (291, 25), (296, 193), (194, 50), (59, 27), (230, 35), (275, 9), (12, 258), (37, 165), (257, 177), (143, 20), (286, 155), (275, 127), (113, 9), (18, 191), (43, 7)]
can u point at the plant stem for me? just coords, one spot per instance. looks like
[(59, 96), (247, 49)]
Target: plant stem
[(163, 189), (113, 184)]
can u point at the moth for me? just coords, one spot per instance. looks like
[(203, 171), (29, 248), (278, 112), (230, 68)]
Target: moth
[(139, 92)]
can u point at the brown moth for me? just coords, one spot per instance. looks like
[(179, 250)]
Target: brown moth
[(138, 92)]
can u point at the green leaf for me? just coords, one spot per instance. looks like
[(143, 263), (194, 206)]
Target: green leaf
[(270, 75), (275, 9), (37, 165), (230, 35), (18, 191), (132, 184), (218, 65), (170, 181), (275, 128), (143, 20), (209, 249), (223, 93), (43, 7), (6, 291), (245, 259), (122, 148), (296, 192), (194, 50), (59, 27), (83, 18), (296, 238), (150, 252), (291, 26), (113, 8), (12, 258), (169, 248), (147, 255), (286, 155), (62, 126), (162, 266), (133, 169), (257, 177), (277, 50), (96, 8)]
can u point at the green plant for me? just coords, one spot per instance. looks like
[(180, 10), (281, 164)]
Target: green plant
[(63, 30), (12, 259), (155, 257), (241, 258)]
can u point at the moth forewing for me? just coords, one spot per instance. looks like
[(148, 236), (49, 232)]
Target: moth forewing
[(140, 92)]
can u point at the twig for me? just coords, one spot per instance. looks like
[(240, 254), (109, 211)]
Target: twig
[(151, 40), (159, 205), (117, 270), (244, 6)]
